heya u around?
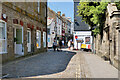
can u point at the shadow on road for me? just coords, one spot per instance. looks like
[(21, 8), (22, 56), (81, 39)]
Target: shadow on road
[(41, 64)]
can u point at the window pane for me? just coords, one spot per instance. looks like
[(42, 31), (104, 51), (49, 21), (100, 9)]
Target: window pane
[(19, 36), (44, 39), (38, 38), (2, 31), (28, 37), (2, 46)]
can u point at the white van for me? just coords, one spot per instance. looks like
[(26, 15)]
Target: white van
[(82, 40)]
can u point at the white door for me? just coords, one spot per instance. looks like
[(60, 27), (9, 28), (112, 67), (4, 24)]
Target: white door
[(29, 40), (19, 49)]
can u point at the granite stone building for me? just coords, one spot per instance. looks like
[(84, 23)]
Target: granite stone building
[(108, 47), (23, 27)]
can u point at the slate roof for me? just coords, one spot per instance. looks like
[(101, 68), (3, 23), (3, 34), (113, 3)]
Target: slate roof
[(78, 24), (49, 21)]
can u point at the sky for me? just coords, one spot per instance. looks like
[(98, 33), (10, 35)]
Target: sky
[(66, 8)]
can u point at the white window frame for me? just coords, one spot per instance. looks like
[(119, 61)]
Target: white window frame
[(1, 21), (44, 39), (39, 37)]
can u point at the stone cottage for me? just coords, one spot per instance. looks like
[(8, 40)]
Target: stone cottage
[(23, 27)]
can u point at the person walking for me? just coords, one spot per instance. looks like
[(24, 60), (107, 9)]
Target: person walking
[(72, 45), (69, 44), (63, 43), (54, 46), (60, 44)]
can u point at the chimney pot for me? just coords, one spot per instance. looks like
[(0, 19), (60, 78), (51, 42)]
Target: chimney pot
[(63, 14)]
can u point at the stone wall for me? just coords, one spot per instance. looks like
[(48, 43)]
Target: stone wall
[(24, 14), (108, 47)]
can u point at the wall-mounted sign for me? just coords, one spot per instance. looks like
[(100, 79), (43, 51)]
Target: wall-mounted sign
[(4, 17)]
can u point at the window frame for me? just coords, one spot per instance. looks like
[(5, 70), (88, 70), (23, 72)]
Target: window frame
[(1, 21), (39, 36), (44, 37)]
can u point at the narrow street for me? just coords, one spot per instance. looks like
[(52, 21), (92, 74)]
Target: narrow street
[(65, 64), (60, 39)]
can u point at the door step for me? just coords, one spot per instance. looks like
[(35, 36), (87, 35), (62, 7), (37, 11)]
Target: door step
[(4, 76)]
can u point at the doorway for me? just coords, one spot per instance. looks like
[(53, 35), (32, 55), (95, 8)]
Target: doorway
[(18, 40), (29, 40)]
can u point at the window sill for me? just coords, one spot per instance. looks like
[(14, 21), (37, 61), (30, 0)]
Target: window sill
[(3, 52), (38, 47)]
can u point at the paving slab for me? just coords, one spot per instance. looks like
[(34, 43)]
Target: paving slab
[(100, 68)]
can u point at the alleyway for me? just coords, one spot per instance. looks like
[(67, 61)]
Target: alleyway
[(65, 64)]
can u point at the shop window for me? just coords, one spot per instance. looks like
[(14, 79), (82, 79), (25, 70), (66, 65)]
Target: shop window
[(38, 39), (3, 37), (44, 39)]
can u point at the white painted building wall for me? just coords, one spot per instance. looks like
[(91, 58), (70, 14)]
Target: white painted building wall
[(72, 28), (51, 36), (59, 26)]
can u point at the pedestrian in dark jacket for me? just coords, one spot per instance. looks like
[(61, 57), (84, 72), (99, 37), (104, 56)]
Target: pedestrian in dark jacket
[(60, 44), (54, 45)]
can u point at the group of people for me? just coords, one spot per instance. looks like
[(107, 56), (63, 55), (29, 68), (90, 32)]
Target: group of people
[(58, 45)]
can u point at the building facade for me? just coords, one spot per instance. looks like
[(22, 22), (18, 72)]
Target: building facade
[(108, 47), (79, 25), (82, 34), (58, 26), (51, 24), (22, 29)]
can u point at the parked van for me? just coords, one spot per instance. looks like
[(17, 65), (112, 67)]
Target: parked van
[(82, 40)]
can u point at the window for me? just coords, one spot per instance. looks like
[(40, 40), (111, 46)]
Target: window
[(38, 38), (48, 31), (45, 11), (3, 37), (38, 6), (28, 35), (44, 39)]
